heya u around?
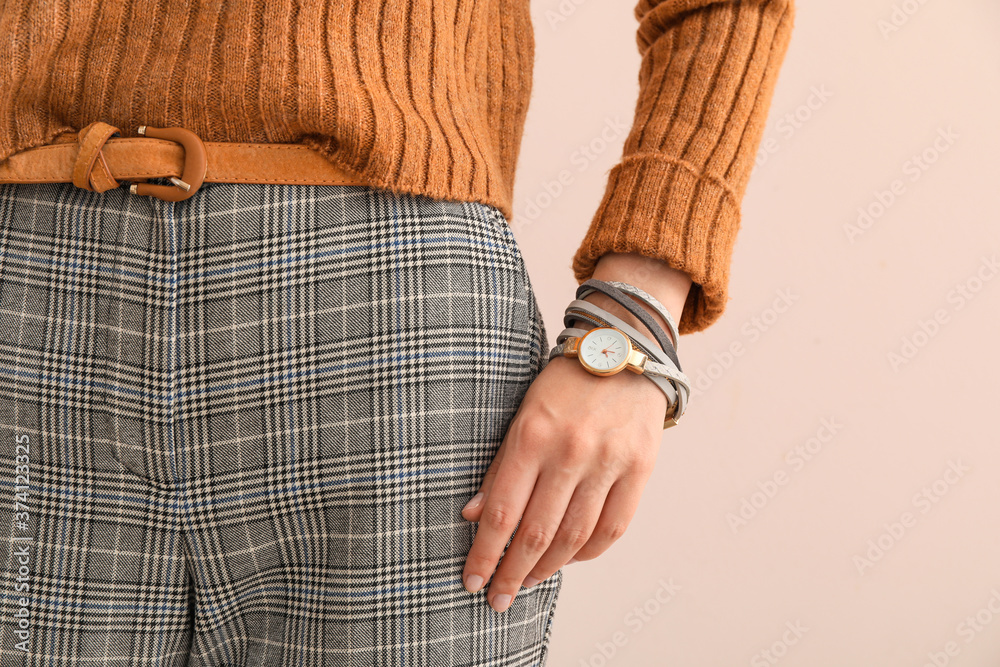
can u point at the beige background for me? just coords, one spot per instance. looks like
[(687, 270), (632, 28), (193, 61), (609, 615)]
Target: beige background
[(868, 100)]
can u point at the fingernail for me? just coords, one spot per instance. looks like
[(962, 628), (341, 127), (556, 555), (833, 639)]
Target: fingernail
[(473, 502), (572, 560), (473, 583), (501, 602), (529, 581)]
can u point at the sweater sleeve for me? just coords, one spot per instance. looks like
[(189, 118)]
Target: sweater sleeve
[(707, 75)]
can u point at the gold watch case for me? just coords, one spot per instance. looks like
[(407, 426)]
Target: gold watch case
[(634, 361)]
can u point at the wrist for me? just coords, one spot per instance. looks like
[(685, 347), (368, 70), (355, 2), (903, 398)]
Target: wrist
[(668, 285)]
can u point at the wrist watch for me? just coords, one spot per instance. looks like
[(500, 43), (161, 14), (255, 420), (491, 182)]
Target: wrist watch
[(605, 351)]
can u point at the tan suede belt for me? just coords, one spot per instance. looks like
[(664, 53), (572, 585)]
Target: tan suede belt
[(92, 160)]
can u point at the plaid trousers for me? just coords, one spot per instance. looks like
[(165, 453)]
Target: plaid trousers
[(238, 430)]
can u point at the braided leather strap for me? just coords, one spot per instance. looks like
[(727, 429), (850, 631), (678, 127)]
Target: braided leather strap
[(653, 303)]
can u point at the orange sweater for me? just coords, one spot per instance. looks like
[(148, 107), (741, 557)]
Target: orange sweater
[(419, 96)]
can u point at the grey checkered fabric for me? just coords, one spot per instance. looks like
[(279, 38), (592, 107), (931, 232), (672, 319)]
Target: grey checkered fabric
[(238, 430)]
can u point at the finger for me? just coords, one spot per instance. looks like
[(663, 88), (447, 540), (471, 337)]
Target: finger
[(619, 508), (574, 532), (502, 509), (473, 509), (538, 527)]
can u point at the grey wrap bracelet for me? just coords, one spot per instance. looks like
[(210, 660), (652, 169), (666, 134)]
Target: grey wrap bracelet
[(638, 311)]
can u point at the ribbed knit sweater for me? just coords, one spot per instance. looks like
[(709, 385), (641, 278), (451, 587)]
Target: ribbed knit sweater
[(419, 96)]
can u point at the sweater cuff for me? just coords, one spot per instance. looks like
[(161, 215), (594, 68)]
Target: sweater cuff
[(665, 209)]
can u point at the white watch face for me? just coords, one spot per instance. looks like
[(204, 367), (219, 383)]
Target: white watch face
[(604, 349)]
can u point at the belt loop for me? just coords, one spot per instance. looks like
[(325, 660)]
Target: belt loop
[(195, 165), (91, 140)]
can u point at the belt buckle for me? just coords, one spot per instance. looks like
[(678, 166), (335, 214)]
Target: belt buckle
[(195, 165)]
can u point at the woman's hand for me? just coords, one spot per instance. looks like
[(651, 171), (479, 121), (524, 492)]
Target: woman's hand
[(574, 461), (573, 464)]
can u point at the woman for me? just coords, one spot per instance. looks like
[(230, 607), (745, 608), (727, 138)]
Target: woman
[(246, 421)]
